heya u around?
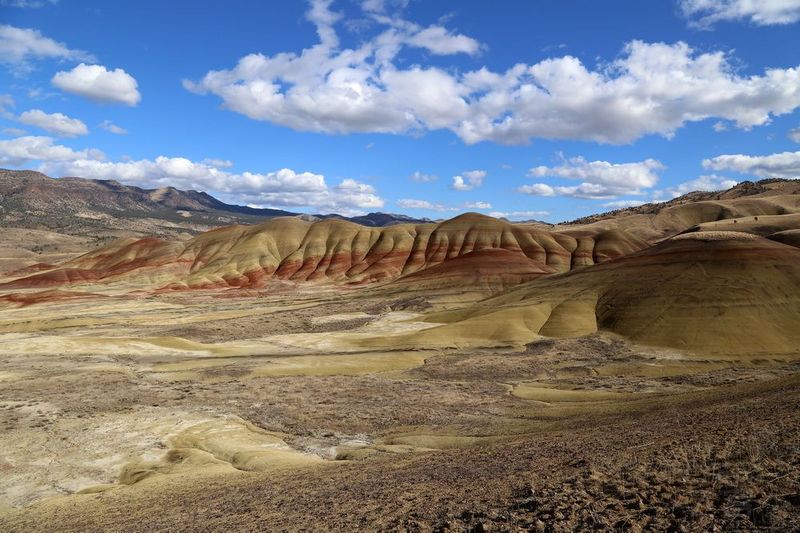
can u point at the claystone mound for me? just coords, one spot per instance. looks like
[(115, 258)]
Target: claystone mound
[(720, 292), (335, 251)]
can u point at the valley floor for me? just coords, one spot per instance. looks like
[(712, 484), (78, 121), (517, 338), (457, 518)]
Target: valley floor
[(257, 411)]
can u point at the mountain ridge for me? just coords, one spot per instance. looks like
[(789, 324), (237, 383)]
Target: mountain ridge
[(74, 205)]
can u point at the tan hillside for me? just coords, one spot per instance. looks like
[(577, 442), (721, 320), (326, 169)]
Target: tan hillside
[(334, 251), (702, 209), (721, 292)]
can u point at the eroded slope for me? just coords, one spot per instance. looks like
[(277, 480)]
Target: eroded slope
[(714, 292), (333, 251)]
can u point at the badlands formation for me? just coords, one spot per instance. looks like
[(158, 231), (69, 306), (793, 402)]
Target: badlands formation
[(632, 370)]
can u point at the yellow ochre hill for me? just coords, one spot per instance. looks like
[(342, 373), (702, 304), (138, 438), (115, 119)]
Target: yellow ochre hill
[(331, 251), (712, 292)]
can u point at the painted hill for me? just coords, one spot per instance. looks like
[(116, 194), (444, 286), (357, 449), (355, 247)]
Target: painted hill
[(778, 200), (761, 189), (718, 275), (336, 251), (726, 293)]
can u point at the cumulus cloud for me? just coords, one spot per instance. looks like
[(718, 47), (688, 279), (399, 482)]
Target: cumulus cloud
[(794, 135), (282, 188), (651, 88), (710, 182), (440, 41), (23, 150), (97, 83), (468, 180), (410, 203), (14, 132), (781, 165), (219, 163), (520, 215), (379, 7), (420, 177), (705, 13), (599, 179), (113, 128), (20, 46), (621, 204), (55, 123), (6, 101), (537, 189), (27, 3)]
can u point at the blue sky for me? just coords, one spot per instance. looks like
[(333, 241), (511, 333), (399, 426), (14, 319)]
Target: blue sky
[(548, 110)]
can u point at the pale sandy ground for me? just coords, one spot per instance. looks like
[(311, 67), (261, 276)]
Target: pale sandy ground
[(127, 392), (49, 450)]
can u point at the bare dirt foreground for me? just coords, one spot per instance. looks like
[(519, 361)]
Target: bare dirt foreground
[(265, 411)]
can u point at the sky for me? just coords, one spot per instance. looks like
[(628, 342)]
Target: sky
[(546, 109)]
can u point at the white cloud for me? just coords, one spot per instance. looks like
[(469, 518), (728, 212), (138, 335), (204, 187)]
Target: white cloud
[(468, 180), (621, 204), (97, 83), (794, 135), (537, 189), (420, 177), (27, 3), (440, 41), (113, 128), (651, 88), (520, 215), (281, 188), (23, 150), (35, 93), (14, 132), (703, 183), (19, 46), (56, 123), (599, 179), (6, 100), (219, 163), (410, 203), (323, 18), (781, 165), (705, 13), (381, 6)]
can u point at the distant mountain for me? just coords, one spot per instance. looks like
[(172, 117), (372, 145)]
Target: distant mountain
[(107, 209), (387, 219)]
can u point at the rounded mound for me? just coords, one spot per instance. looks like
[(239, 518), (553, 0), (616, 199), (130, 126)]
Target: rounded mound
[(725, 295), (491, 269), (789, 237)]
